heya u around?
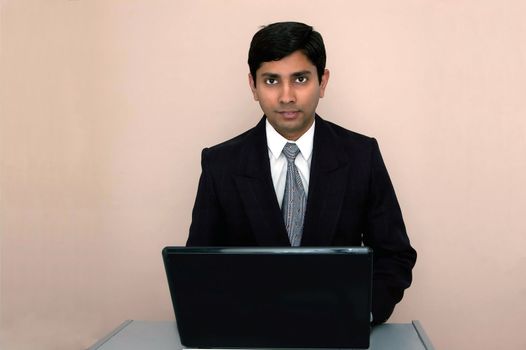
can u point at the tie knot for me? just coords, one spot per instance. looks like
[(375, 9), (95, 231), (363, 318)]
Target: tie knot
[(290, 151)]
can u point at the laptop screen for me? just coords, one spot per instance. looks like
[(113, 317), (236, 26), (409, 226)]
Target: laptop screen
[(271, 297)]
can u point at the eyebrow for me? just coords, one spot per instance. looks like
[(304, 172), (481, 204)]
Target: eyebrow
[(302, 73), (270, 75)]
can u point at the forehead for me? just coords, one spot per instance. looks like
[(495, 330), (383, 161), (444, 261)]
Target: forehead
[(288, 65)]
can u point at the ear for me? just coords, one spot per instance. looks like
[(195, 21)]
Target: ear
[(252, 84), (324, 81)]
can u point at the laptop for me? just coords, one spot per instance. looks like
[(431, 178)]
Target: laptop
[(271, 297)]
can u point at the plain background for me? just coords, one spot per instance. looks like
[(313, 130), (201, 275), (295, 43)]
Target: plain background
[(106, 105)]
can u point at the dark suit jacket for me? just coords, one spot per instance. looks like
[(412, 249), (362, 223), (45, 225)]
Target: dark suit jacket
[(350, 201)]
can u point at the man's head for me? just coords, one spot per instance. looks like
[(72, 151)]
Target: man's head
[(287, 75), (277, 40)]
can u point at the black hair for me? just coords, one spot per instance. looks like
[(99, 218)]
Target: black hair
[(278, 40)]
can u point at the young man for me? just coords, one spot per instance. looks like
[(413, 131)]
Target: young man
[(296, 179)]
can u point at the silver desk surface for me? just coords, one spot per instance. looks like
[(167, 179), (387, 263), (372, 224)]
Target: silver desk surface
[(163, 335)]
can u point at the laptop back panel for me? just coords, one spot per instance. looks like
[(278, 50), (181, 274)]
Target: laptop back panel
[(271, 297)]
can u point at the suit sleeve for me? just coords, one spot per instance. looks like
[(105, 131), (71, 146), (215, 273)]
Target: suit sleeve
[(207, 222), (385, 233)]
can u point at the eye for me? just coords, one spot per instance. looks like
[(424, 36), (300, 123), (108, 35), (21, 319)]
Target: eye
[(301, 79), (271, 81)]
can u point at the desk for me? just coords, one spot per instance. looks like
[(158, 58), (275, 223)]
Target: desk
[(163, 335)]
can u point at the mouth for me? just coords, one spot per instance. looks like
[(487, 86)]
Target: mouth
[(289, 114)]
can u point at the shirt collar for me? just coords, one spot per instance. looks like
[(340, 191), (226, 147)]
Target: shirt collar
[(276, 142)]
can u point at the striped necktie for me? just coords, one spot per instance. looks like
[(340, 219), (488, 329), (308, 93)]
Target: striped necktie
[(294, 198)]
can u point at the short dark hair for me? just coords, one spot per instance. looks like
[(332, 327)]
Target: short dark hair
[(278, 40)]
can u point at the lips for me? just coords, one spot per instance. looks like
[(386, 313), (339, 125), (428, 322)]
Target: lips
[(289, 114)]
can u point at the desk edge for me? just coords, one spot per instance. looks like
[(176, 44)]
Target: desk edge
[(422, 335), (416, 325), (101, 342)]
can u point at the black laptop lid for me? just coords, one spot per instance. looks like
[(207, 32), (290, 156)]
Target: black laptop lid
[(271, 297)]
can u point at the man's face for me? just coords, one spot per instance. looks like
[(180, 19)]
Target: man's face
[(288, 92)]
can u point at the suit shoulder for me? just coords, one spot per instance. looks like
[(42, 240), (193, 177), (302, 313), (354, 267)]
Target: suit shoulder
[(351, 137), (230, 150), (231, 144)]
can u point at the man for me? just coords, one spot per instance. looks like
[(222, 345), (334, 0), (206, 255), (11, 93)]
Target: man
[(296, 179)]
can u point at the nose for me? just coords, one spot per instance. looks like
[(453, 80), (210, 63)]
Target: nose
[(287, 94)]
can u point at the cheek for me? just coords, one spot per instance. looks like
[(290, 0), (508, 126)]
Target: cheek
[(311, 97), (265, 105), (266, 99)]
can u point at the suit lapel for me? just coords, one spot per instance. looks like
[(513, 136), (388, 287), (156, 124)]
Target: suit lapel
[(328, 179), (254, 183), (327, 185)]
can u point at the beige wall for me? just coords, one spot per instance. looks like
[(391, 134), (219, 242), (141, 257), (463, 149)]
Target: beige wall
[(105, 106)]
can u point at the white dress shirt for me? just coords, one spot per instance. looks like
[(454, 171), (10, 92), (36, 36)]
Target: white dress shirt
[(278, 162)]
